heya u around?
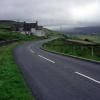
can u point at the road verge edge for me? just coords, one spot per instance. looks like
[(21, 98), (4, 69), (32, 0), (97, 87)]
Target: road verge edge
[(76, 57)]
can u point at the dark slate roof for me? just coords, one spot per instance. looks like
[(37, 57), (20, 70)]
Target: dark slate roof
[(39, 27), (28, 26)]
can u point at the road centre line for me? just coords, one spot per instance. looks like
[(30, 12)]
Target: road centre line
[(88, 77), (46, 58)]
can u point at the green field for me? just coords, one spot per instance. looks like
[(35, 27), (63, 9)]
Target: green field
[(93, 38), (8, 35)]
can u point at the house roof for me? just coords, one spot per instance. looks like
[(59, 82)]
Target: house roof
[(28, 26), (39, 27)]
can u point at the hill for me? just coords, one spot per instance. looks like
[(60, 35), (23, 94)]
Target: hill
[(7, 22), (84, 30)]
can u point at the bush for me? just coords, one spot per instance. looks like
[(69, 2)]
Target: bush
[(87, 40)]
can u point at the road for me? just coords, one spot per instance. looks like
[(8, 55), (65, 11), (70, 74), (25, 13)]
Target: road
[(55, 77)]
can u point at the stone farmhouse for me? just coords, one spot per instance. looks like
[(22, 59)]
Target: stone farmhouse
[(30, 29)]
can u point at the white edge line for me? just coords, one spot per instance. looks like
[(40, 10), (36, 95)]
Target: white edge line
[(31, 49), (46, 58), (88, 77)]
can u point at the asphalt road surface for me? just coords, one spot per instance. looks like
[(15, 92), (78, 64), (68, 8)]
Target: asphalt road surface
[(55, 77)]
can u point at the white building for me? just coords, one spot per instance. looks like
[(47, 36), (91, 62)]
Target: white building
[(30, 28), (38, 31)]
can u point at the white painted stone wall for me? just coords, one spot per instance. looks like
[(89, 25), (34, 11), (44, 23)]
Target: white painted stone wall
[(37, 32), (40, 33), (23, 33), (33, 31)]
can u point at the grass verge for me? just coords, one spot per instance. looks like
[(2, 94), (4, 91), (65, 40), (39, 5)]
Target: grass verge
[(12, 86), (64, 47)]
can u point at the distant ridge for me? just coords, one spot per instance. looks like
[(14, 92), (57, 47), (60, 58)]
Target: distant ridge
[(84, 30), (92, 29), (7, 22)]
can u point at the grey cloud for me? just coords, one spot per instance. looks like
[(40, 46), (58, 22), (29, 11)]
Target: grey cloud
[(50, 11)]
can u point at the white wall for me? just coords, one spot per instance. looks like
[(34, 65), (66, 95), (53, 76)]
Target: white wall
[(37, 32), (40, 33), (33, 31)]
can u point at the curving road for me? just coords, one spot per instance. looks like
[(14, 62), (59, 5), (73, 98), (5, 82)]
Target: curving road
[(55, 77)]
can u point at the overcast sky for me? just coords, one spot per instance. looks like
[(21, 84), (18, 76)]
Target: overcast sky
[(52, 12)]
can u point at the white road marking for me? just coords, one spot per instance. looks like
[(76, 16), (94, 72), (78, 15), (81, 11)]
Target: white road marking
[(88, 77), (32, 51), (46, 58)]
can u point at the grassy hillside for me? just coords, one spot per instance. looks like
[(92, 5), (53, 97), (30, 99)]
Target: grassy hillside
[(51, 33), (92, 38), (6, 34)]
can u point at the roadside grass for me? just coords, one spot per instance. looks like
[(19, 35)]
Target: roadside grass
[(12, 86), (61, 46)]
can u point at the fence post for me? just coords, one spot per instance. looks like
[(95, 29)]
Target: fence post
[(92, 51)]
